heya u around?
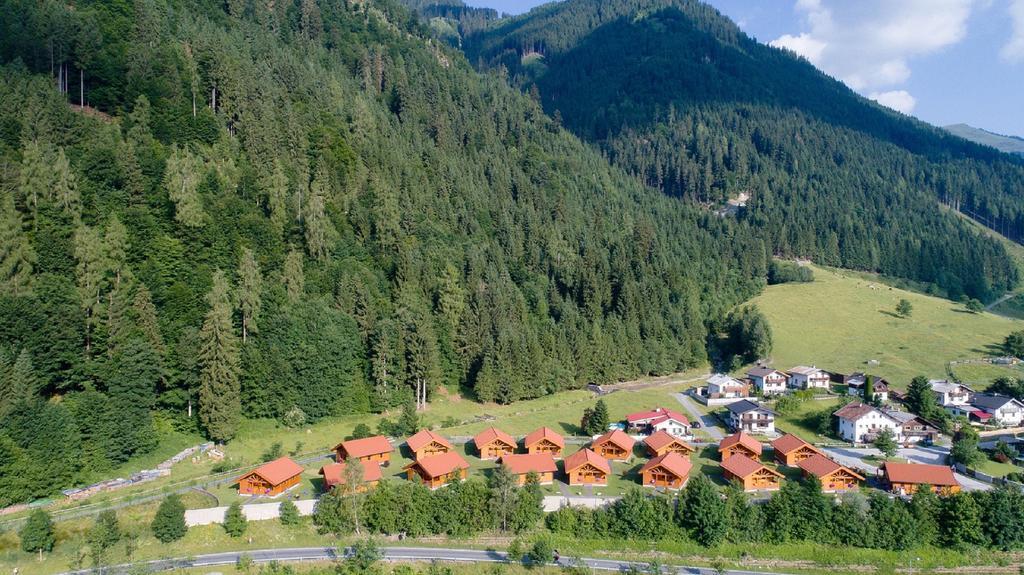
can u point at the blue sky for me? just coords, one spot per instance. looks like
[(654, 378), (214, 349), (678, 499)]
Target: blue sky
[(944, 61)]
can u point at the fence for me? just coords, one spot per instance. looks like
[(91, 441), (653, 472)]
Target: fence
[(986, 478)]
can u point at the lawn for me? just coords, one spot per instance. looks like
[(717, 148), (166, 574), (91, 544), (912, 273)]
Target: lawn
[(996, 469), (980, 375), (846, 322)]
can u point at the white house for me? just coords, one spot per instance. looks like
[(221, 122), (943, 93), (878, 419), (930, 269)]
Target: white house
[(861, 423), (751, 417), (855, 386), (767, 380), (803, 377), (1002, 410), (659, 418), (721, 386), (949, 394)]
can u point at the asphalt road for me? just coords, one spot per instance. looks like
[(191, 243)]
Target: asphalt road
[(390, 554), (709, 423)]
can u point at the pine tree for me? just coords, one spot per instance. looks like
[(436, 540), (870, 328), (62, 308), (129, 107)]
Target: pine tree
[(181, 178), (599, 418), (409, 421), (65, 187), (169, 522), (277, 196), (317, 227), (144, 315), (292, 275), (219, 392), (16, 254), (20, 382), (37, 534), (115, 248), (235, 522), (91, 272), (701, 511), (288, 513), (35, 177), (250, 285)]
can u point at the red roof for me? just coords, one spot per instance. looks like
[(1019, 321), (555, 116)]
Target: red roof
[(334, 473), (544, 433), (490, 434), (789, 443), (672, 461), (740, 438), (919, 473), (530, 462), (658, 413), (440, 465), (423, 438), (365, 447), (277, 471), (820, 466), (586, 455), (853, 411), (618, 437), (981, 414), (661, 439), (742, 466)]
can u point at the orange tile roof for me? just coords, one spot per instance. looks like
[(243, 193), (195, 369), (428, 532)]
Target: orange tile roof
[(742, 466), (740, 438), (820, 466), (334, 473), (365, 447), (586, 455), (789, 443), (490, 434), (423, 438), (440, 465), (661, 439), (672, 461), (919, 473), (618, 437), (277, 471), (527, 462), (544, 433)]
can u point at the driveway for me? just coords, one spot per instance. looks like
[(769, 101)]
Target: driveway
[(708, 423), (931, 454)]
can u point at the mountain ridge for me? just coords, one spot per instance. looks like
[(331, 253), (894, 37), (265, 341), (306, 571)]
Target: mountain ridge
[(1002, 142)]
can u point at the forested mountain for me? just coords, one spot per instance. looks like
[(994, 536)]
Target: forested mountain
[(1008, 144), (296, 209), (676, 94)]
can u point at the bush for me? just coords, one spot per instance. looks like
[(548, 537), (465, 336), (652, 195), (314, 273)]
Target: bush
[(234, 522), (169, 522), (273, 453), (362, 431), (542, 552), (289, 513), (789, 272), (37, 533)]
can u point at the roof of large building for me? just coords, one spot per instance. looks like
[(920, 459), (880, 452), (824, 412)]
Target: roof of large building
[(742, 466), (440, 464), (423, 438), (723, 380), (919, 473), (367, 446), (492, 433), (820, 466), (990, 401), (789, 443), (746, 405), (658, 414), (946, 386), (586, 455), (762, 372), (618, 437), (856, 409), (672, 461), (544, 433), (277, 471), (805, 370), (334, 473), (740, 438), (530, 462)]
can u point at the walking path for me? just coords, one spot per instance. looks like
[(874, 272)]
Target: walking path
[(708, 423)]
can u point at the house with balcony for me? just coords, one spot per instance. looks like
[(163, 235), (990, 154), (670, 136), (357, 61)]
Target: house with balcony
[(751, 417)]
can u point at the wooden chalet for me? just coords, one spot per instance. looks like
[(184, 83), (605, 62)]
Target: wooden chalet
[(493, 443), (791, 450), (271, 479), (752, 474), (614, 445), (661, 442), (334, 474), (544, 440), (376, 448), (739, 443), (585, 467), (905, 478), (832, 475), (670, 471), (437, 470), (426, 443), (522, 465)]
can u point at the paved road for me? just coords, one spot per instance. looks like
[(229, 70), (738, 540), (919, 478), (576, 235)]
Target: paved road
[(708, 423), (390, 554), (933, 454)]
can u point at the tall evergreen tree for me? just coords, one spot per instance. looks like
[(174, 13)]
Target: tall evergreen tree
[(319, 232), (250, 286), (277, 196), (235, 522), (16, 254), (701, 512), (181, 178), (65, 187), (92, 279), (293, 276), (35, 179), (169, 522), (219, 392)]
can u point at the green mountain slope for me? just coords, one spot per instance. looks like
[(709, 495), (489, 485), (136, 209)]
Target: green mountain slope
[(1008, 144), (676, 94)]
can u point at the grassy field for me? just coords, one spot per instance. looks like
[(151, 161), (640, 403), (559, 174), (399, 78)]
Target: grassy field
[(845, 322)]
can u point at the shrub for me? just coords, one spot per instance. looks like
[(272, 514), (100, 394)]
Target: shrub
[(542, 551), (289, 513), (37, 533), (235, 522), (169, 522)]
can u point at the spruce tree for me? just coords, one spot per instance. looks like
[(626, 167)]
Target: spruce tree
[(16, 254), (599, 419), (115, 248), (91, 272), (277, 197), (144, 315), (20, 382), (65, 187), (35, 177), (317, 227), (219, 392), (292, 275), (250, 285), (181, 178), (37, 534), (701, 512), (169, 522), (409, 421), (235, 522), (288, 513)]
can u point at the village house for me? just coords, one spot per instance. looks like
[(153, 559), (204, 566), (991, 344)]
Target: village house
[(376, 448), (659, 418), (768, 381), (749, 416), (522, 465), (271, 479), (855, 386), (833, 476), (803, 377), (739, 444), (1001, 410), (751, 474), (493, 443), (791, 450), (913, 428), (544, 440), (438, 470), (426, 443), (862, 423), (669, 471), (334, 474), (614, 445), (721, 386), (587, 468), (661, 442), (905, 478), (950, 395)]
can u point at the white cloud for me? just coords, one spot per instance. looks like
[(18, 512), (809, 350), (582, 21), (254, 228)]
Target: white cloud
[(899, 100), (804, 45), (1013, 50)]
